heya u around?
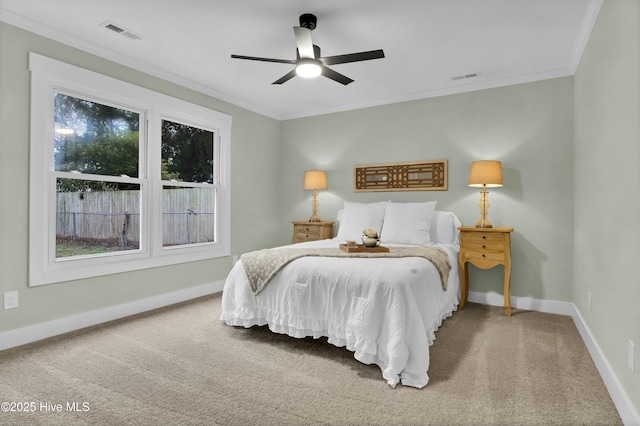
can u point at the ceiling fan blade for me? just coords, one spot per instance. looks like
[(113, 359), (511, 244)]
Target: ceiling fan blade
[(288, 76), (353, 57), (304, 42), (335, 76), (255, 58)]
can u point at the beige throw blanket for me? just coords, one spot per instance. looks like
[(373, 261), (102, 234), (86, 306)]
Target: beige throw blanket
[(262, 265)]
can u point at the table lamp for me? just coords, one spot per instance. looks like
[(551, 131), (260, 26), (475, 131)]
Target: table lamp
[(485, 174), (314, 180)]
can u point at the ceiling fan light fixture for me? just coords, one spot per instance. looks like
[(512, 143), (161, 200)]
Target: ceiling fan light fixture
[(309, 63), (308, 68)]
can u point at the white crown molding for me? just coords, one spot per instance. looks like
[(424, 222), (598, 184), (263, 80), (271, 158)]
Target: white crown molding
[(590, 20), (78, 43), (464, 88), (65, 38)]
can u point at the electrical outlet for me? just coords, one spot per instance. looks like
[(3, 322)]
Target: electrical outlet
[(11, 300), (632, 355), (589, 300)]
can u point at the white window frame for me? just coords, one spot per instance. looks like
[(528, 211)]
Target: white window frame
[(47, 77)]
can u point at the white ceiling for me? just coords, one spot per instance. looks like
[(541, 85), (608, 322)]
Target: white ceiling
[(426, 43)]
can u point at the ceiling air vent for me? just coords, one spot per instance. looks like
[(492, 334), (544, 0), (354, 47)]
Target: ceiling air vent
[(118, 29), (465, 76)]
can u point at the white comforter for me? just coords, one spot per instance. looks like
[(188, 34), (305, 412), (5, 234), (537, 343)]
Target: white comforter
[(386, 311)]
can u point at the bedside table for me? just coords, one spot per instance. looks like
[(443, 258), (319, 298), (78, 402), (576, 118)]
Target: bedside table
[(304, 230), (485, 248)]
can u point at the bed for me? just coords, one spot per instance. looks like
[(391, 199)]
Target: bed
[(384, 309)]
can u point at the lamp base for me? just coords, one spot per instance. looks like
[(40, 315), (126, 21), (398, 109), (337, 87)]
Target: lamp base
[(484, 207), (314, 208), (483, 223)]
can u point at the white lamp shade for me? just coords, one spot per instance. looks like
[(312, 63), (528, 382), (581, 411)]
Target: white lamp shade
[(486, 173), (315, 179)]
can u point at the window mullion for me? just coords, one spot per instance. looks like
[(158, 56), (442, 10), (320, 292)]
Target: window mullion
[(154, 193)]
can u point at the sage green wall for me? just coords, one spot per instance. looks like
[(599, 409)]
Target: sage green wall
[(529, 127), (607, 182), (560, 252), (254, 151)]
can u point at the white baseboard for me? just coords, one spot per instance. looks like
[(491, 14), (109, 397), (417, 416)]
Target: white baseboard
[(32, 333), (527, 303), (21, 336), (623, 404), (627, 412)]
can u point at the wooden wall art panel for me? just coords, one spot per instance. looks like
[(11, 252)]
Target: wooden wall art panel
[(413, 176)]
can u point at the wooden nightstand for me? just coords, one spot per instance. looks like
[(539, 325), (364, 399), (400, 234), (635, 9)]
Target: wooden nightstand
[(485, 248), (311, 231)]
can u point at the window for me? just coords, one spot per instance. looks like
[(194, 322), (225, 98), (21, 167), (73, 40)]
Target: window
[(121, 177), (96, 152), (188, 202)]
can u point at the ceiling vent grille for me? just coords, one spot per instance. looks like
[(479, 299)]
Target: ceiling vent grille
[(118, 29), (464, 77)]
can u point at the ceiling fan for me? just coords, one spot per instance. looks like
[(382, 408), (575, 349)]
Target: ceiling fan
[(308, 62)]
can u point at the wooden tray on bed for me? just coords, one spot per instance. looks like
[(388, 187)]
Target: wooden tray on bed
[(362, 249)]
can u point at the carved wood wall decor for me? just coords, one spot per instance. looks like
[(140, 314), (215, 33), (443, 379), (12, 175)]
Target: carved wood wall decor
[(413, 176)]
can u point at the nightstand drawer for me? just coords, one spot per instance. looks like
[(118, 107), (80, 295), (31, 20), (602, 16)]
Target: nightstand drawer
[(311, 231), (307, 235), (485, 246), (307, 229), (488, 255), (483, 237), (301, 238)]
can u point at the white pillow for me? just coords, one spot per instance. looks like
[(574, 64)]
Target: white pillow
[(408, 223), (357, 217), (444, 227)]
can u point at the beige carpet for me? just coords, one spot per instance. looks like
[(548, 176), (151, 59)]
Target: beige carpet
[(182, 366)]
